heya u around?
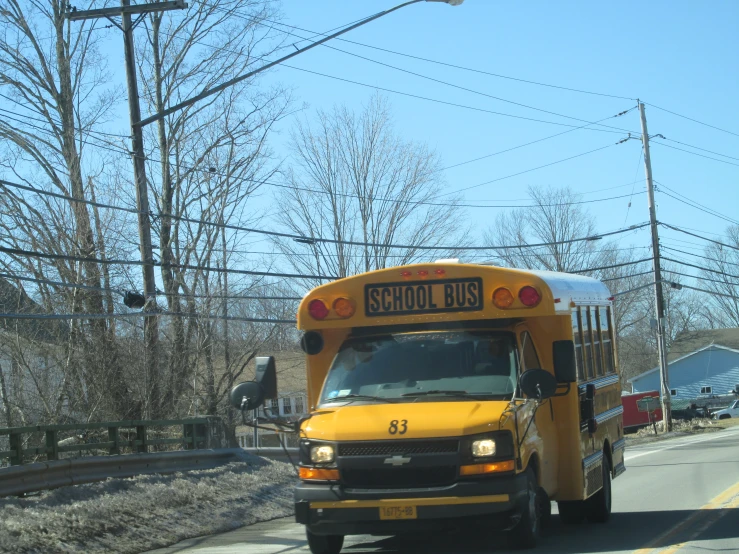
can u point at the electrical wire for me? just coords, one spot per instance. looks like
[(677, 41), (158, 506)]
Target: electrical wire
[(698, 148), (696, 205), (444, 102), (35, 254), (652, 141), (439, 62), (693, 120), (701, 278), (143, 314), (696, 255), (9, 276), (534, 169), (698, 236), (614, 266), (352, 243), (681, 262), (627, 276), (711, 292)]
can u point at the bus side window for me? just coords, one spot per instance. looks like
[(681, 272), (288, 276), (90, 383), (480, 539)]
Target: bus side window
[(587, 342), (530, 358), (577, 337), (595, 332), (605, 326)]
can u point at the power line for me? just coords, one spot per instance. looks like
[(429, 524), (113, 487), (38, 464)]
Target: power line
[(693, 153), (443, 63), (159, 293), (694, 120), (534, 169), (698, 236), (698, 148), (437, 101), (627, 276), (681, 262), (352, 243), (614, 266), (698, 256), (527, 144), (148, 314), (711, 292), (699, 277), (461, 87), (696, 205), (34, 254)]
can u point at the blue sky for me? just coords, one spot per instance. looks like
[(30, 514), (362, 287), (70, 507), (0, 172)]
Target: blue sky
[(676, 55)]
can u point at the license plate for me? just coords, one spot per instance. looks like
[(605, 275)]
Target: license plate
[(398, 512), (423, 297)]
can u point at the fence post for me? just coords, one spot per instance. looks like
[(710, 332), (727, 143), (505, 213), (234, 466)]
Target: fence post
[(52, 446), (188, 432), (142, 446), (114, 437), (16, 446)]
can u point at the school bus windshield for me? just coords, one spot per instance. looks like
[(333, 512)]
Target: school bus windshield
[(413, 367)]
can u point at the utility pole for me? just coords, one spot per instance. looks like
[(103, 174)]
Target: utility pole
[(127, 26), (658, 293)]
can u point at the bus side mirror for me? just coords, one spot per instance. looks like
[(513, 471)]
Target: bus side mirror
[(537, 383), (563, 353), (252, 394)]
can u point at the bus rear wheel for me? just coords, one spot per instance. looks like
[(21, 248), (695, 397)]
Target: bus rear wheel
[(599, 505), (324, 544)]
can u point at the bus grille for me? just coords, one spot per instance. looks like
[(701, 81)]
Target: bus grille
[(404, 478), (389, 448)]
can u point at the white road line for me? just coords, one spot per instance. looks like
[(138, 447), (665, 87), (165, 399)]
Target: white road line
[(712, 436)]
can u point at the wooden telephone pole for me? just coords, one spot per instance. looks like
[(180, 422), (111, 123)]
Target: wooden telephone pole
[(127, 26), (658, 291)]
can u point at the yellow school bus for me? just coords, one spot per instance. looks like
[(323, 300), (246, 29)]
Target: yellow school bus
[(444, 394)]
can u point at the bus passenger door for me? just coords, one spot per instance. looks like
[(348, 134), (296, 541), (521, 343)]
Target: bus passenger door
[(545, 421)]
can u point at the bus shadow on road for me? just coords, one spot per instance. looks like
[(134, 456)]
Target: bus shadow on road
[(624, 532)]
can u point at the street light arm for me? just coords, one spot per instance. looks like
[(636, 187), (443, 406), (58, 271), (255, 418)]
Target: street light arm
[(223, 86)]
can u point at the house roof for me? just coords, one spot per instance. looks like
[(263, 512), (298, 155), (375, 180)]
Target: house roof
[(15, 300), (675, 360), (691, 341)]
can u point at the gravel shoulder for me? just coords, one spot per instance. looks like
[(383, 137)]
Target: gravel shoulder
[(147, 511), (680, 429)]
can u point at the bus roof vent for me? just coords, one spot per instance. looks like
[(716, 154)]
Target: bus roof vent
[(447, 261)]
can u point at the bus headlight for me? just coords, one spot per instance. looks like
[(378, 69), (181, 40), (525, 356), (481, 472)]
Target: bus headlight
[(322, 454), (483, 447)]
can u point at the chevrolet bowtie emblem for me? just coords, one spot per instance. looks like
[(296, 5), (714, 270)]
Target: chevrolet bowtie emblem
[(397, 461)]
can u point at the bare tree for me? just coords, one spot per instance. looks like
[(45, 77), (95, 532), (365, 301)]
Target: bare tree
[(54, 77), (354, 179), (723, 280), (554, 216), (207, 161)]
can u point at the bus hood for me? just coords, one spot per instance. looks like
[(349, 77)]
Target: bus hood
[(416, 420)]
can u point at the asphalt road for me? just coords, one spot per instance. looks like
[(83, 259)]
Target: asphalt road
[(680, 495)]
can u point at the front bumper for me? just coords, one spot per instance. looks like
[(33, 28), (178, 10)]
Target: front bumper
[(334, 510)]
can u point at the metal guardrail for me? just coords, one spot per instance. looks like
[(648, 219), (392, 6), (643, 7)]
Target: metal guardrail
[(275, 453), (59, 473), (197, 433)]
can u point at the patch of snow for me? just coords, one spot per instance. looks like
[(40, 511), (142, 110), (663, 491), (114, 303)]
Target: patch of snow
[(147, 511)]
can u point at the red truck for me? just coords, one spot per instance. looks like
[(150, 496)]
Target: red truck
[(633, 418)]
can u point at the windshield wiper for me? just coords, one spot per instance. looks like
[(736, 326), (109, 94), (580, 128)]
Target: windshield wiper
[(461, 393), (358, 397)]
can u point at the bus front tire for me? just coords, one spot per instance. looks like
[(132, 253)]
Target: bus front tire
[(526, 532), (599, 505), (324, 544), (571, 512)]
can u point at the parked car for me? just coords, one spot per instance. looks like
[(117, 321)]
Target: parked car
[(726, 413)]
